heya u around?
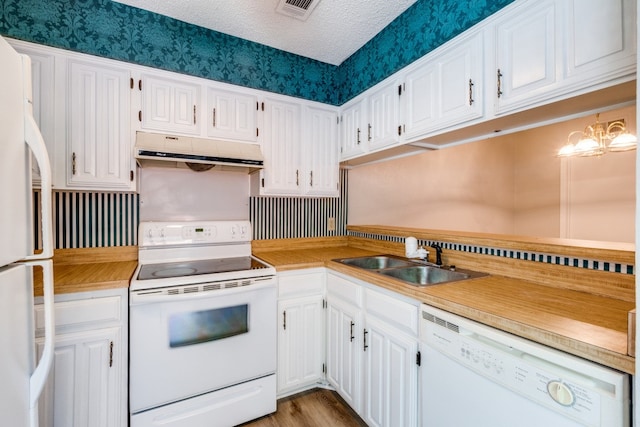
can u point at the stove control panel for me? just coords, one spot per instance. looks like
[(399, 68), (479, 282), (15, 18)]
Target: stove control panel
[(193, 233)]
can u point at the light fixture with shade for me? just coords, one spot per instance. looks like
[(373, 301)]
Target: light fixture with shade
[(599, 138)]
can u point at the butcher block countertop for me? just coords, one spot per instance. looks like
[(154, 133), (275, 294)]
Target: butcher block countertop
[(590, 326), (91, 269), (586, 325)]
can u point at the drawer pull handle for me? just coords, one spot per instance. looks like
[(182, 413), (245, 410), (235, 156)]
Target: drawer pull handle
[(365, 346), (351, 332)]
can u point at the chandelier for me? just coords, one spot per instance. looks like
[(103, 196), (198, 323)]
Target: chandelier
[(596, 139)]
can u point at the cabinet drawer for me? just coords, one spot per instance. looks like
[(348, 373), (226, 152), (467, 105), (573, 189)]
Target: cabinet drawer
[(292, 285), (344, 290), (400, 314), (81, 314)]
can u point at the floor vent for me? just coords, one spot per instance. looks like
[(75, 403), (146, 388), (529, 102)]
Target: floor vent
[(299, 9)]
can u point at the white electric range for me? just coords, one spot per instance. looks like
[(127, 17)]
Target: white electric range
[(202, 326)]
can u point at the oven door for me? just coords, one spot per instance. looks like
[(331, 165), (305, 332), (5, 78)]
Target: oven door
[(185, 345)]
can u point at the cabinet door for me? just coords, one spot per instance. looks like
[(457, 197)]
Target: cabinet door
[(384, 116), (344, 352), (461, 78), (281, 148), (600, 36), (83, 388), (390, 376), (446, 90), (300, 339), (99, 154), (232, 115), (420, 104), (353, 132), (321, 152), (170, 105), (526, 55)]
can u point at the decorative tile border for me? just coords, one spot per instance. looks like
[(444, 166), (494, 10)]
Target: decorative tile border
[(590, 264)]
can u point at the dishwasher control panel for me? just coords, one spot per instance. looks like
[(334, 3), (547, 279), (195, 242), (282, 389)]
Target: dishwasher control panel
[(512, 362)]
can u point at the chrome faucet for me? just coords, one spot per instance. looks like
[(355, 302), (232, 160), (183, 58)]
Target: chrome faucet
[(438, 249)]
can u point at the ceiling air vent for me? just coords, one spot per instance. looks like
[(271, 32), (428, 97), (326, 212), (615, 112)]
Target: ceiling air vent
[(299, 9)]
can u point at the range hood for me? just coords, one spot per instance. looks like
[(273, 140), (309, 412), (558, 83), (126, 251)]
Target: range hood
[(199, 154)]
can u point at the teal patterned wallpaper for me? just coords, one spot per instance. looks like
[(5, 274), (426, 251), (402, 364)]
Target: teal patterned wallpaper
[(117, 31)]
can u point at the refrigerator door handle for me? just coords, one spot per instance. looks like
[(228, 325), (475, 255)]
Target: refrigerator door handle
[(41, 372), (39, 149)]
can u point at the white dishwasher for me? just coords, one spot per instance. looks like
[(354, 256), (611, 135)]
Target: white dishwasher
[(475, 375)]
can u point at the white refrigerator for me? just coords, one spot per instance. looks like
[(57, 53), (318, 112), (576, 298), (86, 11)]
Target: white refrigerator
[(22, 377)]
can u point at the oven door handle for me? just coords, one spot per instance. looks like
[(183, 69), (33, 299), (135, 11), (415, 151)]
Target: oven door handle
[(151, 296)]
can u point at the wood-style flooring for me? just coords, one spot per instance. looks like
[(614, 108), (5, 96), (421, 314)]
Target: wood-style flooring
[(314, 408)]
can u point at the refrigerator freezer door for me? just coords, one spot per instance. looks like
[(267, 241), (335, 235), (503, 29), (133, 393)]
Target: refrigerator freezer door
[(17, 348), (15, 170)]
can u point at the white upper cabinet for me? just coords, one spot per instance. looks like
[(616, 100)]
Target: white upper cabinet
[(383, 127), (170, 105), (99, 152), (232, 115), (353, 130), (446, 90), (300, 147), (600, 38), (526, 54), (551, 50), (320, 151), (371, 121), (281, 148)]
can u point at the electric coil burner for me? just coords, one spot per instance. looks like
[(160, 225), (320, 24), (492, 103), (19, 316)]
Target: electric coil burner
[(202, 326)]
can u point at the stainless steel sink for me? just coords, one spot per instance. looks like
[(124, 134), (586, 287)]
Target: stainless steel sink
[(416, 273), (426, 275), (376, 262)]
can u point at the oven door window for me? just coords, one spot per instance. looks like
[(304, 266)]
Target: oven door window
[(196, 327)]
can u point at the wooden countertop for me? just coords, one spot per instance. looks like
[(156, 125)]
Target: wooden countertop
[(90, 269), (586, 325), (589, 326)]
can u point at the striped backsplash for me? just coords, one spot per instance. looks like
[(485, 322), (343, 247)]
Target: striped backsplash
[(590, 264), (90, 219), (94, 219), (299, 217)]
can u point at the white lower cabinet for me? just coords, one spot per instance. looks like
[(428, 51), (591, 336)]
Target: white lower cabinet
[(300, 330), (344, 347), (372, 351), (87, 384), (390, 375)]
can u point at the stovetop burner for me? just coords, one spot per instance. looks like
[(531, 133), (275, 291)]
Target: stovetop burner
[(198, 267)]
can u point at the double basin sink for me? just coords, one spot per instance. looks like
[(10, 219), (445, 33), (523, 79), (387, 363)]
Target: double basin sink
[(416, 273)]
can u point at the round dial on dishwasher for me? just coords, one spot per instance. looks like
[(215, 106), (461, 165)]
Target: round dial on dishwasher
[(561, 393)]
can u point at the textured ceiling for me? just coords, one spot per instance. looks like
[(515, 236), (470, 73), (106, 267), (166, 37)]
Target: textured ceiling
[(334, 30)]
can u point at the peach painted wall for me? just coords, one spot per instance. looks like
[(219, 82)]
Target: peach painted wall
[(512, 184)]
